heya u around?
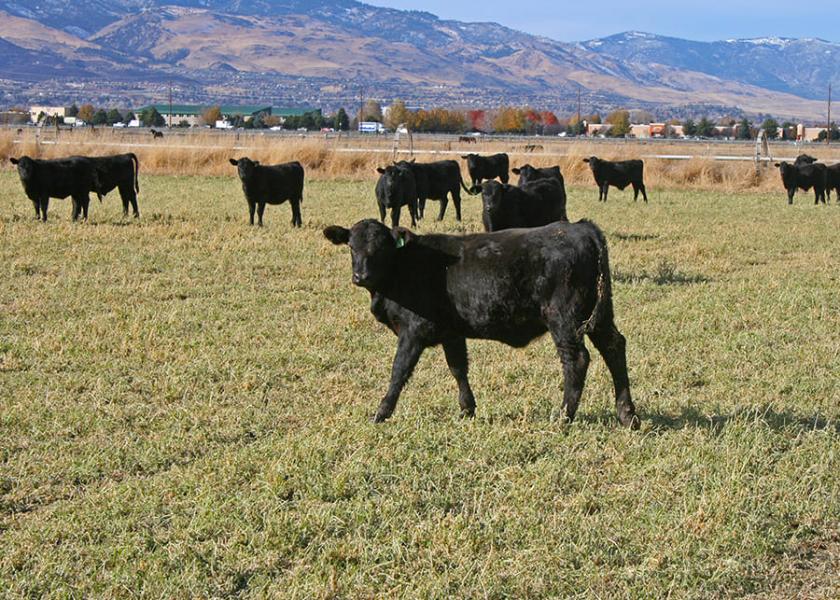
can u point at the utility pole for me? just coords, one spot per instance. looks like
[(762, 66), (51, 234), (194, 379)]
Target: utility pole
[(170, 104), (828, 127), (361, 103), (578, 114)]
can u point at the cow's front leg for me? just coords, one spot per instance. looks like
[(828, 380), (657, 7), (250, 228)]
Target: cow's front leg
[(37, 205), (409, 349), (252, 208), (456, 200), (45, 204), (260, 211), (443, 202), (456, 359), (77, 207)]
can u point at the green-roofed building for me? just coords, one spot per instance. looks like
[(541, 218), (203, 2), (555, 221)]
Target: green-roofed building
[(191, 113)]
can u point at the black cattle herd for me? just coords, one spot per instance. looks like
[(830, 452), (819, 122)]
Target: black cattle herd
[(532, 272)]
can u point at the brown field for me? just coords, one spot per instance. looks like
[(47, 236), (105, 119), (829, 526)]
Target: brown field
[(356, 157)]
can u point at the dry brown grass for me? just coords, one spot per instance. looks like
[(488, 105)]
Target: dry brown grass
[(355, 158)]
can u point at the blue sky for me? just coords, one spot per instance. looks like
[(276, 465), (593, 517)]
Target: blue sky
[(581, 20)]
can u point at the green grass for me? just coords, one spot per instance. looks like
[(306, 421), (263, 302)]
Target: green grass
[(184, 407)]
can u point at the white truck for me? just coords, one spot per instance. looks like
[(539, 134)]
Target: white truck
[(371, 127)]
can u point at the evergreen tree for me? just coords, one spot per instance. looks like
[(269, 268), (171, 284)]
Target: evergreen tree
[(114, 116), (771, 128), (705, 128), (100, 117), (342, 121), (744, 129), (689, 128)]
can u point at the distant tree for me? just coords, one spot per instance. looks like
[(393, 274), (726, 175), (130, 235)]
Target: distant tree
[(73, 111), (594, 118), (86, 112), (620, 121), (269, 121), (689, 128), (211, 115), (150, 117), (771, 128), (342, 121), (183, 123), (835, 133), (114, 116), (129, 116), (705, 128), (477, 120), (397, 114), (744, 129), (100, 117), (372, 111), (509, 120)]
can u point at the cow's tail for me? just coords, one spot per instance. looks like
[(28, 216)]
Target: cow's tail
[(603, 285), (136, 171)]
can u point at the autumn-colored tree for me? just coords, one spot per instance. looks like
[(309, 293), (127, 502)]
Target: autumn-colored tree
[(549, 118), (272, 120), (509, 120), (397, 115), (211, 115), (477, 119), (86, 112), (620, 121)]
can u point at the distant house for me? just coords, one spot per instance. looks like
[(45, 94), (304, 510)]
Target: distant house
[(808, 134), (37, 112), (191, 113), (596, 129)]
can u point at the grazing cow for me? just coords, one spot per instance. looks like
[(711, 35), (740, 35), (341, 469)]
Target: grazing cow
[(437, 181), (57, 178), (468, 139), (537, 203), (533, 147), (271, 184), (487, 167), (618, 174), (804, 177), (119, 171), (511, 286), (396, 188), (157, 134), (528, 173)]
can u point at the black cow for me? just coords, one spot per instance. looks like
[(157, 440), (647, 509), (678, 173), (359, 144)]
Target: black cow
[(487, 167), (156, 134), (119, 171), (437, 181), (804, 177), (804, 159), (528, 173), (396, 188), (537, 203), (511, 286), (57, 178), (618, 174), (833, 181), (271, 184)]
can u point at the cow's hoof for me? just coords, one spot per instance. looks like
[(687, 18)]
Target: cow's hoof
[(468, 413), (379, 417), (631, 421)]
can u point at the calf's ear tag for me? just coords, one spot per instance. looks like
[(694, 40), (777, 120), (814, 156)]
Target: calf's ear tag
[(400, 241)]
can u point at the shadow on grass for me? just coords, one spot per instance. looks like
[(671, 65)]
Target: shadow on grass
[(763, 415), (666, 273), (715, 424)]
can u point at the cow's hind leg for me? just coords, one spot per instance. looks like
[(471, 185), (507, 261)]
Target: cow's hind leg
[(612, 346), (297, 221), (85, 205), (575, 359), (456, 358), (421, 208), (409, 350), (644, 191), (77, 207)]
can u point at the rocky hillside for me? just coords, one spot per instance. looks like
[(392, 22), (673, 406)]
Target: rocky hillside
[(242, 48)]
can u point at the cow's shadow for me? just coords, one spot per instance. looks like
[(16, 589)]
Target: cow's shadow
[(665, 273), (715, 424)]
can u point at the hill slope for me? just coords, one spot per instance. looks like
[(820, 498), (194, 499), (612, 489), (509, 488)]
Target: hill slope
[(317, 51)]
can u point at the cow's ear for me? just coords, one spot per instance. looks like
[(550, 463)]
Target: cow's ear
[(14, 160), (413, 160), (380, 169), (337, 235), (465, 157), (516, 171), (256, 163), (778, 165), (234, 162), (402, 236), (585, 160)]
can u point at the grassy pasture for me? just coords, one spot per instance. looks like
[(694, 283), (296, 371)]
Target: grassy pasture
[(184, 405)]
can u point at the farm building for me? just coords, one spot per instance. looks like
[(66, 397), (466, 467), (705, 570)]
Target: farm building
[(36, 112)]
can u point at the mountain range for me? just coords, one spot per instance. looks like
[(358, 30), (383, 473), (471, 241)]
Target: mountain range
[(332, 52)]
